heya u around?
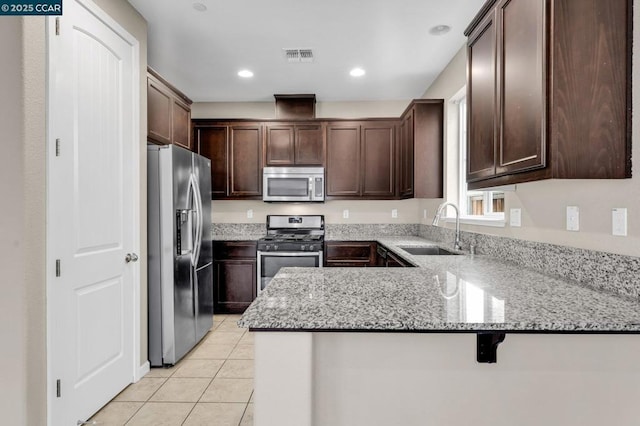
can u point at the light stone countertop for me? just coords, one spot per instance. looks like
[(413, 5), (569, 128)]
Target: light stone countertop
[(237, 237), (444, 293)]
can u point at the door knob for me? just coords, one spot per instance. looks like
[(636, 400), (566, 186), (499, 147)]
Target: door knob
[(131, 257)]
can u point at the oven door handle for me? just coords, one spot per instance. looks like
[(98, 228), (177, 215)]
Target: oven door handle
[(291, 253)]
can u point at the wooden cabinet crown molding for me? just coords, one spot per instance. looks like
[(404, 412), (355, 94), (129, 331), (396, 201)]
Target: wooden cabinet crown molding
[(486, 7), (173, 88)]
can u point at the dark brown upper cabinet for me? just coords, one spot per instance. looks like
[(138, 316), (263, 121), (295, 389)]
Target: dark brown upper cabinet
[(420, 150), (343, 160), (288, 144), (245, 160), (405, 155), (549, 91), (212, 142), (481, 100), (361, 159), (235, 151), (168, 113), (375, 158), (378, 150)]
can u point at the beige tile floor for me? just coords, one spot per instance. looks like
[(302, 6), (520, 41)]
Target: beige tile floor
[(212, 385)]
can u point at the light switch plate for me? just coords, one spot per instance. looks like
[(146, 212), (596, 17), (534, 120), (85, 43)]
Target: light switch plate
[(394, 213), (573, 218), (515, 217), (619, 222), (424, 213), (345, 214)]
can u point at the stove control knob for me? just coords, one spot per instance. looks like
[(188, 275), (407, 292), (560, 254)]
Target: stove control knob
[(275, 247), (267, 247), (312, 247), (303, 247)]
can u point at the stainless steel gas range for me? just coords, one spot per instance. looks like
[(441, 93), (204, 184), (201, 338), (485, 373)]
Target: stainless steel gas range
[(290, 241)]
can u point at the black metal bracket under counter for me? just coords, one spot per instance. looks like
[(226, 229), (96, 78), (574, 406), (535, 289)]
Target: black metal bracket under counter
[(487, 348)]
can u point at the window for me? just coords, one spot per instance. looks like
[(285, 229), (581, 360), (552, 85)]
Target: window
[(484, 205)]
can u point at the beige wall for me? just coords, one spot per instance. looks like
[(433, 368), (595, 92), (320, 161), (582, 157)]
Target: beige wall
[(13, 303), (23, 387), (34, 185), (267, 110), (359, 211), (544, 203)]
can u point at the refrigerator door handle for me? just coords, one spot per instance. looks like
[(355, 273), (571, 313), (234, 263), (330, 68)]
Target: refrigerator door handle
[(199, 220), (193, 229)]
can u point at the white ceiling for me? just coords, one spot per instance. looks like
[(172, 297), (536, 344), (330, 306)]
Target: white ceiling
[(201, 52)]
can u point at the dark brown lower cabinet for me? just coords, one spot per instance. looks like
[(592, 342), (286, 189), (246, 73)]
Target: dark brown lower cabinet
[(395, 261), (350, 253), (234, 276), (388, 259)]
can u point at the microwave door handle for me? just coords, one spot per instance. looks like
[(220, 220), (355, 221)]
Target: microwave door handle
[(310, 189)]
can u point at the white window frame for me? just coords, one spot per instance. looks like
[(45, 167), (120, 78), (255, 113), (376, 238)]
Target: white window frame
[(489, 217)]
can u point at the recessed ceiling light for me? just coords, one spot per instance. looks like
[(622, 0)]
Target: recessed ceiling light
[(245, 73), (357, 72), (439, 30), (199, 7)]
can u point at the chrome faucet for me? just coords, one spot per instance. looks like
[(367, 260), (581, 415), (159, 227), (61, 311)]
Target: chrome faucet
[(436, 219)]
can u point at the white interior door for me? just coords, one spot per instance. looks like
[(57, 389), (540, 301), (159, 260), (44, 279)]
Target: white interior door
[(93, 205)]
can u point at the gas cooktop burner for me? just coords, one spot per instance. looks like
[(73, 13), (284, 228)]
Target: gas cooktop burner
[(293, 233)]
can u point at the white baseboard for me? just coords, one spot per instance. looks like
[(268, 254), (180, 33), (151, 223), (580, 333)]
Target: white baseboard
[(142, 370)]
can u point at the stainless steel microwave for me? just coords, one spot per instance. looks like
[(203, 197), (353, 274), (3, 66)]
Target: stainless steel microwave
[(293, 184)]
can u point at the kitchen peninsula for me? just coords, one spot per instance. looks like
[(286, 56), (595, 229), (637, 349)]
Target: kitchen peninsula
[(413, 346)]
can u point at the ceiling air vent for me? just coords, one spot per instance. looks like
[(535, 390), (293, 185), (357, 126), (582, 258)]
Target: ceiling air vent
[(298, 55)]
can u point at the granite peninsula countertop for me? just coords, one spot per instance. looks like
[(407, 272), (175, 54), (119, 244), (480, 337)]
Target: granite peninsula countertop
[(238, 237), (468, 293)]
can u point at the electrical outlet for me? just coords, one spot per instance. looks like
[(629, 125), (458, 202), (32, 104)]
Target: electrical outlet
[(619, 222), (515, 217), (394, 213), (424, 213), (250, 214), (573, 218), (345, 214)]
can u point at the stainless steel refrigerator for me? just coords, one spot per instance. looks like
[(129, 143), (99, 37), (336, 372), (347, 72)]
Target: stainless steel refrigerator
[(180, 251)]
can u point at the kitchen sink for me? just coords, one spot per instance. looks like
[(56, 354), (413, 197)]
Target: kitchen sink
[(427, 251)]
